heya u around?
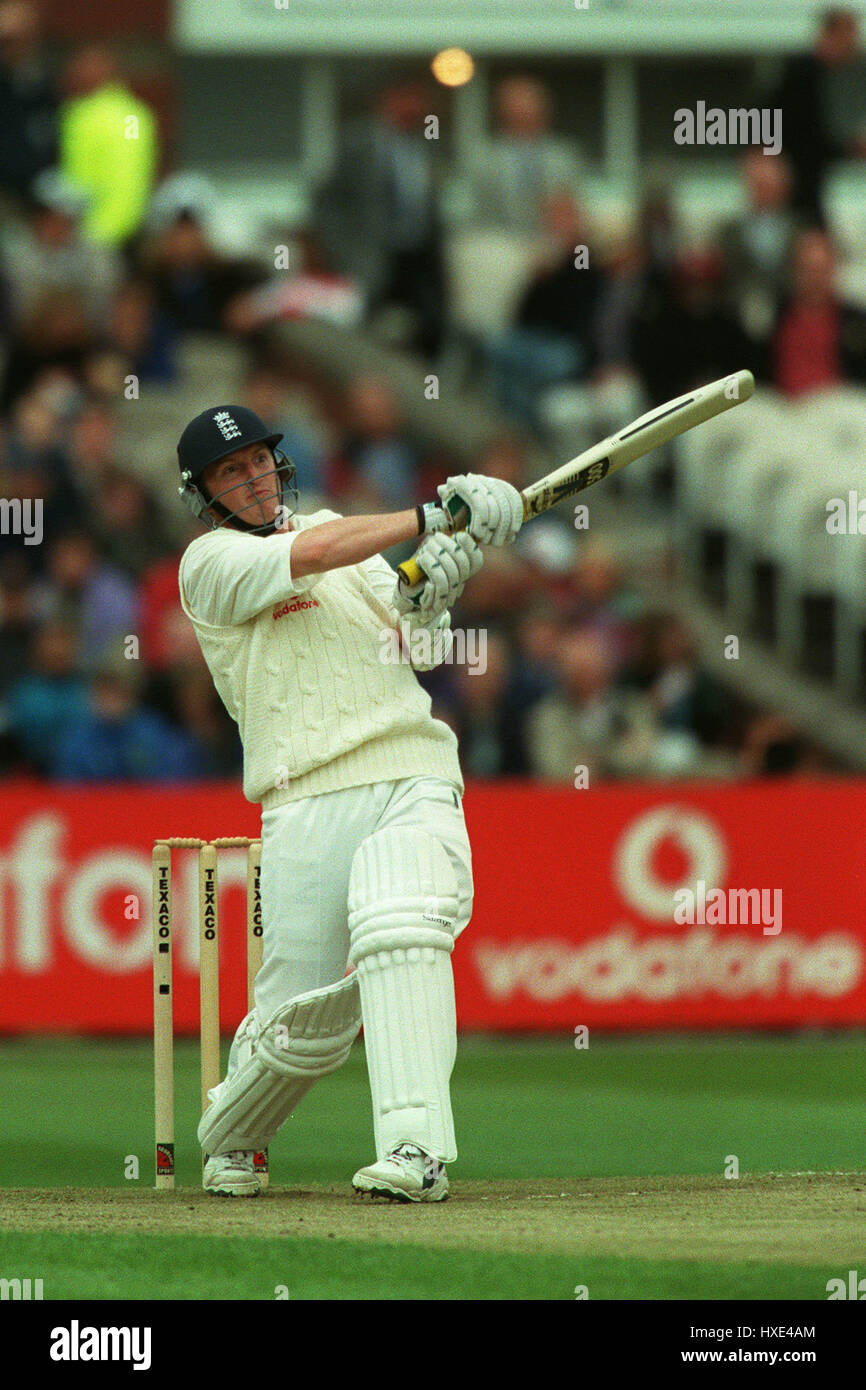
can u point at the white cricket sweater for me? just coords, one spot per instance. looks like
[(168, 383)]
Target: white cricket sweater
[(298, 665)]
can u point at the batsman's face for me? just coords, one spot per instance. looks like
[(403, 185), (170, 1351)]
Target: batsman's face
[(246, 482)]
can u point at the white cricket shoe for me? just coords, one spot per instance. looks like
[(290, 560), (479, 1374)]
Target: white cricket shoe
[(231, 1174), (408, 1174)]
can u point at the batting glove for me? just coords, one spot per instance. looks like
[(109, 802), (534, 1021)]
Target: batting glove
[(494, 507), (448, 562)]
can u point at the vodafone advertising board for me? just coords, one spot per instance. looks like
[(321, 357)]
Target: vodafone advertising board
[(638, 907)]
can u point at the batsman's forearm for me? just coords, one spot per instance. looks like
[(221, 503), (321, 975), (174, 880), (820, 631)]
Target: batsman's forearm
[(349, 540)]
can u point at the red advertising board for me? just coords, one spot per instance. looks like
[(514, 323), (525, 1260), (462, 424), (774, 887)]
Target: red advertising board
[(633, 907), (578, 895)]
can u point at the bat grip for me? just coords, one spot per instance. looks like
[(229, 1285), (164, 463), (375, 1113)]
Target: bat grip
[(410, 573)]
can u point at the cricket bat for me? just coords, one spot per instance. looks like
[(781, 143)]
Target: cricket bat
[(643, 435)]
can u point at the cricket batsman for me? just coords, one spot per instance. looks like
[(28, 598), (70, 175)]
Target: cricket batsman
[(366, 878)]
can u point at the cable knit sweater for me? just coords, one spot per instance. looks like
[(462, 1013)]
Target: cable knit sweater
[(299, 665)]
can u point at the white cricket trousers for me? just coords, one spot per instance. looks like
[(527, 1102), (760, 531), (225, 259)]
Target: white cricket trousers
[(307, 852)]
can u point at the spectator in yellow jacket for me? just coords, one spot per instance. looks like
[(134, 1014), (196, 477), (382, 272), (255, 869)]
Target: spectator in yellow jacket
[(108, 145)]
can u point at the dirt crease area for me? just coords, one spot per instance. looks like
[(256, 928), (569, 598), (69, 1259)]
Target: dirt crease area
[(792, 1219)]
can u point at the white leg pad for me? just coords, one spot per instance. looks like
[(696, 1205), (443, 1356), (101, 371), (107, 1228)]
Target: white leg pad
[(403, 899), (305, 1039)]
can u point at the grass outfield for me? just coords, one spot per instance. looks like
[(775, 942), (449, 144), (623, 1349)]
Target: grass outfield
[(602, 1168)]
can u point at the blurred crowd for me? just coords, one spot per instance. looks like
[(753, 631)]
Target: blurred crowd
[(579, 680), (109, 262)]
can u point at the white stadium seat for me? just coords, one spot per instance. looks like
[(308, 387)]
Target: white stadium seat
[(751, 518), (707, 467)]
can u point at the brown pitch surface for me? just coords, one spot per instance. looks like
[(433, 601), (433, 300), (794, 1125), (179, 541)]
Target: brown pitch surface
[(789, 1218)]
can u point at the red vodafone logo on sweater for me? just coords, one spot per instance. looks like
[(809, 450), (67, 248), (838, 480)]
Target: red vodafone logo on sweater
[(295, 606)]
